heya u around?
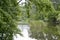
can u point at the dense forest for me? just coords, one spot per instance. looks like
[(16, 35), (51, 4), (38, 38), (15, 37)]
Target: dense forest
[(43, 17)]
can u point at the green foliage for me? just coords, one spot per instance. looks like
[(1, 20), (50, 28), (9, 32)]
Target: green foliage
[(45, 11), (37, 27), (43, 18), (9, 15)]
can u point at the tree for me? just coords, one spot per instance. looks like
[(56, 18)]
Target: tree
[(46, 12), (9, 15)]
